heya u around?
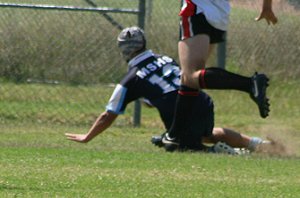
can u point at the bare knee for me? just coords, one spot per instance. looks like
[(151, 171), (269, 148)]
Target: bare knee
[(218, 134), (190, 78)]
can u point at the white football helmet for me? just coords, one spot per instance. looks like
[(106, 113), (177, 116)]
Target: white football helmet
[(130, 41)]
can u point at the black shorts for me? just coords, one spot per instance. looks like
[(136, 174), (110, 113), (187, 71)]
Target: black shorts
[(197, 24), (201, 123)]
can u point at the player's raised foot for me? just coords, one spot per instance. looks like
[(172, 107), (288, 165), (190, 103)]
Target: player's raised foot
[(170, 144), (157, 140), (258, 93)]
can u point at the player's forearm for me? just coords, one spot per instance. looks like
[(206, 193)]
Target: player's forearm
[(101, 124)]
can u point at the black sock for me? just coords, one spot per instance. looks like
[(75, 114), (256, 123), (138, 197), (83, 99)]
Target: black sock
[(217, 78), (186, 99)]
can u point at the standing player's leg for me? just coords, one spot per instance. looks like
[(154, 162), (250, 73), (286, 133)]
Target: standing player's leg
[(193, 53), (194, 49), (217, 78)]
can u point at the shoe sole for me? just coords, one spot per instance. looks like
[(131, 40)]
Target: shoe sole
[(263, 104), (169, 145)]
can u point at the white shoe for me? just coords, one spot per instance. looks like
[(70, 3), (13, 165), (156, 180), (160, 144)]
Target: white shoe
[(242, 151), (221, 147)]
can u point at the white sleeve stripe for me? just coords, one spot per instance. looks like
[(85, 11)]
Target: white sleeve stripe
[(116, 100)]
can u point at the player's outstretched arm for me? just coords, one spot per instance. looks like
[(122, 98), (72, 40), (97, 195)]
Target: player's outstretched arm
[(267, 13), (102, 122)]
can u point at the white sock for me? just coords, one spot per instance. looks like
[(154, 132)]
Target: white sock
[(254, 142)]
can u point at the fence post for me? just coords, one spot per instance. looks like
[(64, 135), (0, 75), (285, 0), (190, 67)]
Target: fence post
[(137, 103), (221, 54)]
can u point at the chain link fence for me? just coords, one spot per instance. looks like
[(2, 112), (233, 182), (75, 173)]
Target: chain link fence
[(59, 66), (267, 48)]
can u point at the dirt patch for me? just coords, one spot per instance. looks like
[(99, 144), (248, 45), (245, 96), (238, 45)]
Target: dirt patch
[(277, 147)]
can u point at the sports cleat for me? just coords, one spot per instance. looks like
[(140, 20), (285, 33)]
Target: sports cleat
[(258, 93), (171, 144), (157, 140), (242, 151), (223, 148)]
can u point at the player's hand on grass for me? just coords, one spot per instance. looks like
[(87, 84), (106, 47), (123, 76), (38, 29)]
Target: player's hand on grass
[(268, 15), (82, 138)]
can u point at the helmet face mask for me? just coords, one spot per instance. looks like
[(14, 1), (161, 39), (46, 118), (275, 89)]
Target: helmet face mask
[(131, 41)]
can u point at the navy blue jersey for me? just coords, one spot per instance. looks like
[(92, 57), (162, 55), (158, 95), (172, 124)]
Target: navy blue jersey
[(155, 78)]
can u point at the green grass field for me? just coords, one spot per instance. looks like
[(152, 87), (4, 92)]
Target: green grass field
[(37, 161)]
